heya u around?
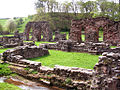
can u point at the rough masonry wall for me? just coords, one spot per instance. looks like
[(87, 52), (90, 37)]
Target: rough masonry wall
[(111, 30), (38, 29), (26, 52), (107, 71), (9, 42), (72, 46), (59, 36)]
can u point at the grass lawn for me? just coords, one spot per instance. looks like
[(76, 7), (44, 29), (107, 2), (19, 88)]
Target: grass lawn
[(72, 59), (6, 35), (6, 86), (3, 50)]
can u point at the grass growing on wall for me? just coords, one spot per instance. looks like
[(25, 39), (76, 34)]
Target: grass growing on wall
[(72, 59)]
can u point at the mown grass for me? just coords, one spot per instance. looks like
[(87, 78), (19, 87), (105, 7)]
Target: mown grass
[(4, 49), (72, 59), (6, 35), (6, 86)]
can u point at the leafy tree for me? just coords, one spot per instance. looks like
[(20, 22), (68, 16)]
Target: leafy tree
[(1, 28), (43, 16), (11, 25)]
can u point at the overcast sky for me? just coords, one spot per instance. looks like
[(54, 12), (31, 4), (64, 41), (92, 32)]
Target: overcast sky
[(18, 8)]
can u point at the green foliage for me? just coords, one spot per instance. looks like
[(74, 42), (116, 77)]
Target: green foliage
[(19, 21), (27, 68), (34, 72), (1, 27), (6, 86), (68, 81), (11, 25), (4, 70)]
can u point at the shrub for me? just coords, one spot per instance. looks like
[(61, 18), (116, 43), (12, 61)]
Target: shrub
[(4, 70), (1, 28), (11, 25)]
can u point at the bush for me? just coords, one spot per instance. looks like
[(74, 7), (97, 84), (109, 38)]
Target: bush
[(1, 28), (11, 25), (4, 70)]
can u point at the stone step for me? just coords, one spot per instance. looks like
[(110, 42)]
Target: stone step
[(19, 65)]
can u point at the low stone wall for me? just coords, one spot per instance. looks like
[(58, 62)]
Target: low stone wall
[(67, 77), (26, 52), (107, 72), (59, 36), (105, 76), (10, 42), (71, 46)]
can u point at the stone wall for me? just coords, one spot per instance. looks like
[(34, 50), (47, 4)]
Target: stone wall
[(72, 46), (59, 36), (111, 34), (9, 42), (38, 29), (105, 76), (107, 72), (26, 52)]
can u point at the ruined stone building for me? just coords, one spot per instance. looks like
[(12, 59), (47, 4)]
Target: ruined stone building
[(38, 29), (91, 27)]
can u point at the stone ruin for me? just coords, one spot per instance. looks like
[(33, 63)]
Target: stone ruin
[(38, 29), (10, 42), (19, 35), (73, 46), (24, 52), (111, 30), (111, 36), (59, 36), (105, 76)]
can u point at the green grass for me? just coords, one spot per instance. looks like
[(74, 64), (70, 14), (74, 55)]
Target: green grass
[(6, 86), (71, 59), (113, 46), (3, 22), (6, 35), (4, 49), (4, 70)]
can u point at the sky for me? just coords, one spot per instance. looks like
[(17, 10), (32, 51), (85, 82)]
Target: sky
[(18, 8)]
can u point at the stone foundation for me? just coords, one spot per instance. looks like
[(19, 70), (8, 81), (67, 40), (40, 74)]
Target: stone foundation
[(10, 42), (105, 76), (72, 46), (59, 36), (25, 52)]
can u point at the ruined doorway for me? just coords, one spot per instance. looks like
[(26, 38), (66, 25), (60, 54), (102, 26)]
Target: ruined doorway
[(101, 34)]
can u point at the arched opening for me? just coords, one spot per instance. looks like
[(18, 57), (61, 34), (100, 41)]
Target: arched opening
[(83, 34), (101, 29)]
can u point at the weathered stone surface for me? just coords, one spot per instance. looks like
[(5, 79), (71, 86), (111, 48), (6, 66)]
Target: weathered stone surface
[(26, 52), (10, 42), (59, 36), (38, 29), (73, 46), (111, 34), (107, 71)]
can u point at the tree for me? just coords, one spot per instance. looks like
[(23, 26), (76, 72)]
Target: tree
[(11, 25), (43, 16), (1, 28), (66, 7)]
